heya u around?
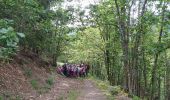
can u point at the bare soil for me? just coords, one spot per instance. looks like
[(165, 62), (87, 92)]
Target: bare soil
[(91, 92), (62, 87)]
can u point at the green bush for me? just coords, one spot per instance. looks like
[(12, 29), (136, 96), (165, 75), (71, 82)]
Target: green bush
[(136, 98), (103, 86), (114, 90), (9, 39)]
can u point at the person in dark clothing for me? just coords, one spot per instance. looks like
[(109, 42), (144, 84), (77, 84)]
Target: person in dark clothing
[(65, 70), (87, 69)]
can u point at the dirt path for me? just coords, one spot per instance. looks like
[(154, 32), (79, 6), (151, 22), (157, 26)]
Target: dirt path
[(63, 86), (90, 92), (61, 89)]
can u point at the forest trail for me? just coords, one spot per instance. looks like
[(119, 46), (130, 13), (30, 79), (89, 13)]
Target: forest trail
[(63, 86), (61, 89), (90, 92)]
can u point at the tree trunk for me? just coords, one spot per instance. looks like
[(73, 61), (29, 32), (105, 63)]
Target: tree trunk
[(167, 86), (154, 69)]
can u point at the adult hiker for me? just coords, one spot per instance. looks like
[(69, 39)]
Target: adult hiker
[(87, 69), (65, 69)]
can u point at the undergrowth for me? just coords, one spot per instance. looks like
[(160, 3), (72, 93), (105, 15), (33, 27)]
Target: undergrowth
[(10, 96), (72, 95), (1, 98), (111, 91), (34, 83)]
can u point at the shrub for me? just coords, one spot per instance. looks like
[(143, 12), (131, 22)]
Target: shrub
[(114, 90), (103, 85), (9, 39), (136, 98)]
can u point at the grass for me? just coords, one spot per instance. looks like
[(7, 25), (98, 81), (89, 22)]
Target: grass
[(136, 98), (50, 81), (27, 71), (43, 87), (72, 95), (104, 86), (110, 91), (60, 98), (1, 98), (34, 83), (10, 96)]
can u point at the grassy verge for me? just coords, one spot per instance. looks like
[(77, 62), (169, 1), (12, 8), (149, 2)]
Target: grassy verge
[(110, 91), (10, 96), (104, 86), (43, 87), (72, 95)]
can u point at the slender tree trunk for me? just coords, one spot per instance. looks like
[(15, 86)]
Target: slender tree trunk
[(144, 72), (54, 60), (159, 87), (124, 38), (154, 69), (167, 78), (168, 82)]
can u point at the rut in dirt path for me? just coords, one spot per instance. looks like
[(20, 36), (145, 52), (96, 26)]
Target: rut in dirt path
[(91, 92)]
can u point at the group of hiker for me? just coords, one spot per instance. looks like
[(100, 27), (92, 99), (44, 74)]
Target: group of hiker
[(74, 70)]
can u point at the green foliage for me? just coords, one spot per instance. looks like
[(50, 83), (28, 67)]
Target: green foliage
[(60, 98), (113, 36), (15, 98), (10, 96), (28, 72), (50, 81), (72, 95), (44, 29), (1, 98), (103, 86), (84, 46), (136, 98), (114, 90), (34, 84), (9, 39)]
